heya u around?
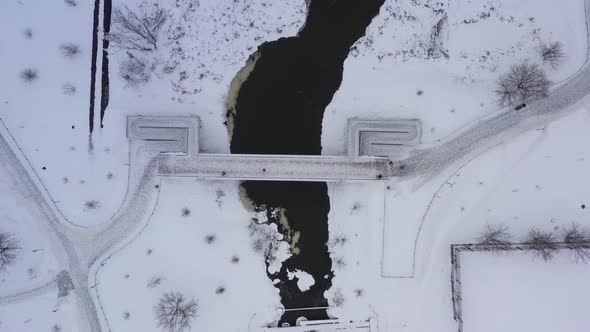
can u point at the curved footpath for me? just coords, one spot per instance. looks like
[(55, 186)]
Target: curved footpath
[(78, 249), (492, 130)]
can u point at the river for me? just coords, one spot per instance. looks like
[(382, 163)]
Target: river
[(279, 109)]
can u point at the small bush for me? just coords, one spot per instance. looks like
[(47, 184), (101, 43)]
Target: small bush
[(552, 53), (134, 71), (338, 298), (185, 212), (69, 50), (110, 175), (359, 292), (29, 75), (543, 244), (155, 282), (210, 238), (56, 328), (28, 33), (338, 241), (235, 259), (71, 3), (126, 315), (339, 263), (220, 290), (69, 89), (92, 204)]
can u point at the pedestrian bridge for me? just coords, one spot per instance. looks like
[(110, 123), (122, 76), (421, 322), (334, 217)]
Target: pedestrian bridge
[(371, 147)]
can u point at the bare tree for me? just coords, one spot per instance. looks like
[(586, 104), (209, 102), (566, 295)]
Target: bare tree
[(496, 237), (174, 312), (523, 82), (137, 31), (69, 50), (577, 239), (9, 249), (543, 243), (552, 53), (134, 71)]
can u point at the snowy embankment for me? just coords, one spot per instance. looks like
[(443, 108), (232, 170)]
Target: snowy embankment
[(50, 120), (197, 242), (537, 180), (446, 90)]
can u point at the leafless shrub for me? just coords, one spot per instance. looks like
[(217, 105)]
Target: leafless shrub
[(522, 83), (577, 239), (174, 313), (359, 292), (339, 240), (339, 263), (92, 204), (134, 71), (338, 298), (71, 3), (235, 259), (496, 237), (28, 33), (220, 290), (126, 315), (9, 249), (185, 212), (69, 50), (552, 53), (29, 74), (355, 207), (155, 281), (210, 238), (69, 89), (137, 31), (543, 244)]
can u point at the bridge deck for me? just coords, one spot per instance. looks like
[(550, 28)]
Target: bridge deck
[(274, 167)]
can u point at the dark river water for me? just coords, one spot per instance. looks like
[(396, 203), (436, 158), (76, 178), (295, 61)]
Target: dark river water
[(279, 110)]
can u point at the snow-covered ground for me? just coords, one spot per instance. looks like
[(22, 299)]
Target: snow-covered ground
[(537, 180), (204, 252), (515, 293), (218, 38), (36, 264), (42, 313), (384, 79)]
